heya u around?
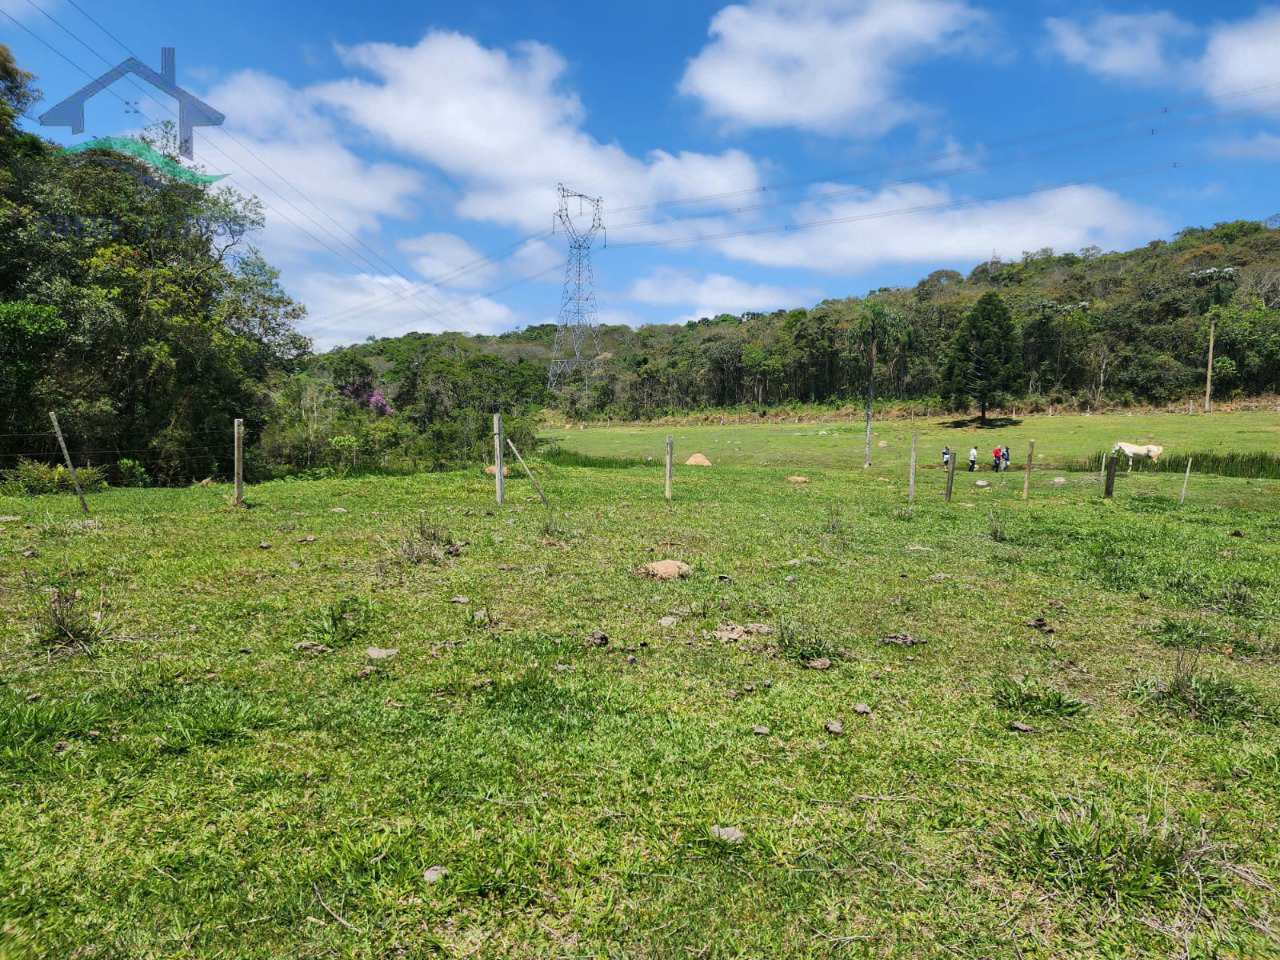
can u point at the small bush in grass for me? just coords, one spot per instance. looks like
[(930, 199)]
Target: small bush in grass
[(803, 642), (1210, 698), (426, 541), (1029, 697), (341, 622), (1191, 634), (1093, 850), (998, 532), (33, 478), (68, 625), (132, 473)]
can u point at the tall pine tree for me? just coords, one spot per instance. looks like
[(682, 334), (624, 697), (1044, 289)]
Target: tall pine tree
[(986, 355)]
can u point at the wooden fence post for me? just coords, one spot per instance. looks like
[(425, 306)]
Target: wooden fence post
[(1031, 459), (951, 477), (911, 483), (1185, 480), (529, 473), (499, 486), (239, 459), (1113, 461), (671, 456), (70, 466)]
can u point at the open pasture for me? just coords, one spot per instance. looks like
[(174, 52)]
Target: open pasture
[(1068, 745)]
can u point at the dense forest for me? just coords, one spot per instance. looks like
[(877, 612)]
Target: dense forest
[(135, 305)]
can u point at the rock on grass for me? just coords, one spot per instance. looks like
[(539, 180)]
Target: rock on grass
[(666, 570)]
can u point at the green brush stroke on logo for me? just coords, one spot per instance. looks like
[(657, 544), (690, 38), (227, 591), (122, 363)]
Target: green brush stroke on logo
[(152, 158)]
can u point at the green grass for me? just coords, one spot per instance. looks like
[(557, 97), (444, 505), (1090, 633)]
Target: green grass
[(192, 784)]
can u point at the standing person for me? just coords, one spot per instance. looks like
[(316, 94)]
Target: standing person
[(946, 457), (973, 459), (1004, 458), (995, 459)]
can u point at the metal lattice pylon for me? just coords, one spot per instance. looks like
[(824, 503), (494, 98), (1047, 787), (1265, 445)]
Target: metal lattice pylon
[(576, 343)]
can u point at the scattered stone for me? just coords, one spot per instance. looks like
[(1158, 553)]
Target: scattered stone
[(30, 553), (862, 709), (728, 834), (563, 667), (382, 653), (902, 640), (666, 570), (939, 577), (1019, 727), (337, 509), (492, 471), (668, 621), (725, 578), (393, 704), (790, 578), (730, 632), (1057, 605), (309, 538), (1237, 533), (819, 663), (1041, 624), (460, 600), (760, 730), (1059, 481), (434, 874), (9, 519), (310, 646), (834, 727), (697, 460), (982, 484), (480, 617), (366, 672), (62, 746), (264, 545), (33, 697), (631, 658), (882, 444), (598, 638), (798, 481)]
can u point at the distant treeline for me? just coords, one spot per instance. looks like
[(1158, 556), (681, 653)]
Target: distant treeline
[(1083, 330)]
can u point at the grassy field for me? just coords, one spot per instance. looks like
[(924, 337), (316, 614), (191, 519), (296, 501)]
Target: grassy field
[(205, 750)]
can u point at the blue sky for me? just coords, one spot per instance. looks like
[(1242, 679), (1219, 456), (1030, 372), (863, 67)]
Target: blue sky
[(756, 155)]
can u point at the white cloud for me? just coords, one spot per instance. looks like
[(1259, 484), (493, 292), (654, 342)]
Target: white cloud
[(1262, 146), (22, 10), (1120, 46), (501, 124), (829, 66), (712, 294), (1240, 57), (319, 193), (947, 229), (346, 308), (450, 261)]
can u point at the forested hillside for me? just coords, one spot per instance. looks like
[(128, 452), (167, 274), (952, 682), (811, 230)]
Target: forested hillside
[(1089, 328), (134, 304)]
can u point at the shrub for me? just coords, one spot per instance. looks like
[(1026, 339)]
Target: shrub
[(1210, 698), (132, 473), (426, 541), (68, 626), (33, 478), (803, 642)]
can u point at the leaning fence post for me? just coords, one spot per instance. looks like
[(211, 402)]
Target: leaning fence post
[(239, 458), (499, 486), (1112, 462), (1185, 480), (951, 476), (671, 456), (529, 473), (1031, 458), (911, 482), (70, 466)]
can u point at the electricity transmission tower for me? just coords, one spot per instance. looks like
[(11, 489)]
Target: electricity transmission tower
[(576, 344)]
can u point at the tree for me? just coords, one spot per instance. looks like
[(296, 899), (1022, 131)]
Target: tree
[(986, 355), (17, 91), (874, 327)]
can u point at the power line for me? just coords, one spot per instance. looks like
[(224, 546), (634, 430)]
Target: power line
[(881, 214), (1009, 141), (923, 175), (223, 153)]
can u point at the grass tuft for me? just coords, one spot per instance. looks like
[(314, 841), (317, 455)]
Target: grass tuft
[(1209, 698), (425, 541), (342, 622), (1092, 850), (802, 642), (68, 625), (1030, 697)]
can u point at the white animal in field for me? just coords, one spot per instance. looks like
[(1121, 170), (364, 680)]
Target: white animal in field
[(1136, 451)]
